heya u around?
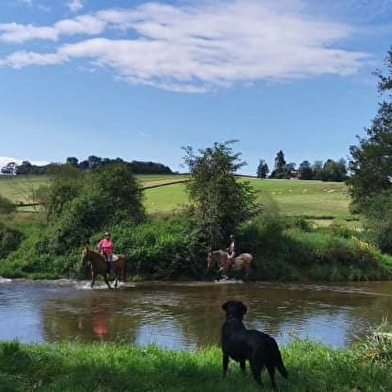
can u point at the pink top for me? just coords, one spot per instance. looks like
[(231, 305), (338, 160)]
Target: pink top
[(106, 245)]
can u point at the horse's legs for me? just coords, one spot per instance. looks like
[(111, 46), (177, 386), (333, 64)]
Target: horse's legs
[(105, 276), (92, 279)]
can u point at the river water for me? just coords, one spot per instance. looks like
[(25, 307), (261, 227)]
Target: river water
[(187, 315)]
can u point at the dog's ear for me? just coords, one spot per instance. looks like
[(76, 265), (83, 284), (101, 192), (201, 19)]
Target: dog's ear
[(244, 308), (224, 306)]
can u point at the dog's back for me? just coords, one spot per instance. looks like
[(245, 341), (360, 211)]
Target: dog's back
[(267, 350)]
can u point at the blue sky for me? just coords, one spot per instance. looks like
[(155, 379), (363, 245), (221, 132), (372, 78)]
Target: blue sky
[(139, 80)]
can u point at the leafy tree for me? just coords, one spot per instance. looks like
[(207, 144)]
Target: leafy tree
[(262, 169), (371, 159), (119, 188), (305, 171), (370, 183), (72, 161), (280, 163), (94, 161), (281, 168), (66, 182), (334, 171), (220, 202), (11, 168), (24, 168), (317, 169)]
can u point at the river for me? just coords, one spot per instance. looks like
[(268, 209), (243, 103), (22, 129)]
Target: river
[(187, 315)]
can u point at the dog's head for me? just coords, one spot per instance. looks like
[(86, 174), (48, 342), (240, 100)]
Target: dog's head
[(235, 309)]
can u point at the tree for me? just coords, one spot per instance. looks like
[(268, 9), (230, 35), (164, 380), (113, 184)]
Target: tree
[(262, 169), (11, 168), (94, 161), (371, 159), (24, 168), (66, 182), (282, 169), (121, 191), (72, 161), (370, 183), (305, 171), (317, 169), (334, 171), (220, 202)]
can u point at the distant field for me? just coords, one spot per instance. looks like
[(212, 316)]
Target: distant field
[(292, 197), (310, 198), (20, 188)]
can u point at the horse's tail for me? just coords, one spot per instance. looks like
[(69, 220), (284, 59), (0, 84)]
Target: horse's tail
[(124, 271)]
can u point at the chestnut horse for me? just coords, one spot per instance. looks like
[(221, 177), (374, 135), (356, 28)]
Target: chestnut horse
[(226, 263), (99, 266)]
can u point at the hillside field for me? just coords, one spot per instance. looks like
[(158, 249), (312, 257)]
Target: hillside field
[(313, 199)]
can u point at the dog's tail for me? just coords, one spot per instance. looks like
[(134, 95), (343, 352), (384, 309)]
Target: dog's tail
[(278, 360)]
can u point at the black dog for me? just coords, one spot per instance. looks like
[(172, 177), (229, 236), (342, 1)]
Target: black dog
[(243, 344)]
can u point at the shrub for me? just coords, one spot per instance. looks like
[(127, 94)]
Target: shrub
[(6, 206), (9, 240)]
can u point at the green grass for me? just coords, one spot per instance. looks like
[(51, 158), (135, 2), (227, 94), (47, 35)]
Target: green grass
[(314, 199), (120, 367), (19, 189), (309, 198)]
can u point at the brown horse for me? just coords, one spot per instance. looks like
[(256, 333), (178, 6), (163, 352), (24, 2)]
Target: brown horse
[(99, 266), (226, 263)]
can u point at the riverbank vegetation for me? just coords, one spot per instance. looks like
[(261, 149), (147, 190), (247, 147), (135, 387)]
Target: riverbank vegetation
[(77, 207), (120, 367)]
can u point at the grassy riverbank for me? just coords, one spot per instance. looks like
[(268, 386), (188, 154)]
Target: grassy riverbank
[(285, 241), (284, 250), (111, 367)]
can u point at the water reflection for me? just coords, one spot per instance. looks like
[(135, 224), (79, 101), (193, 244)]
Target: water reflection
[(186, 316)]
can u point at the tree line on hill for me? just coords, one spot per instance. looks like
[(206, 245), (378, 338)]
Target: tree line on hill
[(91, 163), (329, 171)]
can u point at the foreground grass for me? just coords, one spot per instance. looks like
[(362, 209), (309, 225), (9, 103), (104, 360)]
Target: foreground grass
[(110, 367)]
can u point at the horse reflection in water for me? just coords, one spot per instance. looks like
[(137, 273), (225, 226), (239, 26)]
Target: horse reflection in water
[(99, 266), (227, 264)]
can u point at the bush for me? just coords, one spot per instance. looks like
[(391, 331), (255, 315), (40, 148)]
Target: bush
[(9, 240), (158, 249), (6, 206)]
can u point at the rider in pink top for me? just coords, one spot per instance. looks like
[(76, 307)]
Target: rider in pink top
[(106, 247)]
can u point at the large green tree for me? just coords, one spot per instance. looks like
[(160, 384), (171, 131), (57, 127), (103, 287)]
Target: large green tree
[(220, 201), (371, 159), (370, 183)]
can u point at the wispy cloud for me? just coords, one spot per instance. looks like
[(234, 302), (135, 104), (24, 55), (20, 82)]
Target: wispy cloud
[(144, 135), (75, 5), (196, 48), (26, 2), (20, 33)]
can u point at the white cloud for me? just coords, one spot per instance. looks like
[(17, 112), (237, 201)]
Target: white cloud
[(197, 48), (75, 5), (18, 33)]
